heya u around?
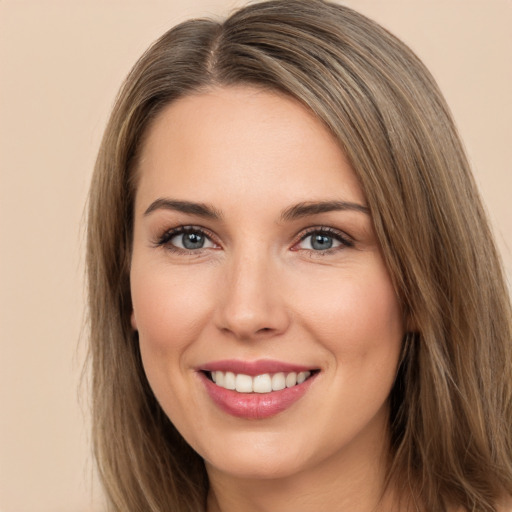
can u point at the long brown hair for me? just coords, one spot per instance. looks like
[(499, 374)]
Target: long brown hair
[(451, 406)]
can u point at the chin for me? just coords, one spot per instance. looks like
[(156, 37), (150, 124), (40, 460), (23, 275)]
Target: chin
[(257, 465), (256, 455)]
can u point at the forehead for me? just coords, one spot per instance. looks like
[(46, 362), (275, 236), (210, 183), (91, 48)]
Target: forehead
[(246, 141)]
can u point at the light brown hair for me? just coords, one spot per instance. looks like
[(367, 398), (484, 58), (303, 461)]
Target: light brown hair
[(451, 405)]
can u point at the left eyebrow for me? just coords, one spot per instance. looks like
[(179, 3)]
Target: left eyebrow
[(313, 208), (189, 207)]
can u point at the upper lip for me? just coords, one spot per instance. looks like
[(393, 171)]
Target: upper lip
[(253, 368)]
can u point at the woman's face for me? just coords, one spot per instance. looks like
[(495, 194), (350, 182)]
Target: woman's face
[(255, 264)]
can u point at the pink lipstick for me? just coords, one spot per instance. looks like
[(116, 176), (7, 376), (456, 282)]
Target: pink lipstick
[(255, 389)]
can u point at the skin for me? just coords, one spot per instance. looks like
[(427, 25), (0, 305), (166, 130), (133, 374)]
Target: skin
[(258, 290)]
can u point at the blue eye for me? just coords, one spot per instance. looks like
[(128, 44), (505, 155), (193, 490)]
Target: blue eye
[(323, 240), (186, 238), (189, 240)]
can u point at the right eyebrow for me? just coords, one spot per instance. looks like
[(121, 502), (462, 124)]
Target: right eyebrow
[(314, 208), (199, 209)]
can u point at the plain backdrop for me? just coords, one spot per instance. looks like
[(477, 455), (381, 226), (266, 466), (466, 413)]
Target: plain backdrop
[(61, 63)]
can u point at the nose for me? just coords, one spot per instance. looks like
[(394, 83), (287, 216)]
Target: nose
[(251, 299)]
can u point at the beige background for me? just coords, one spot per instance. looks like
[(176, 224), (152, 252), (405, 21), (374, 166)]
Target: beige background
[(61, 63)]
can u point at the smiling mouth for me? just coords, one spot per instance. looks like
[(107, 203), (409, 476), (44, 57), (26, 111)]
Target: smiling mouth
[(263, 383)]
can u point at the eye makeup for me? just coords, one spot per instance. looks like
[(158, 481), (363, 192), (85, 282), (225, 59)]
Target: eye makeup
[(188, 240)]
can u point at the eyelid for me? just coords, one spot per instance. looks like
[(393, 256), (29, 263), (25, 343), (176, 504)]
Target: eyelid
[(167, 235), (164, 239), (341, 236)]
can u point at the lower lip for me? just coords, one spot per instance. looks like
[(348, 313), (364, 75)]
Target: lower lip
[(255, 406)]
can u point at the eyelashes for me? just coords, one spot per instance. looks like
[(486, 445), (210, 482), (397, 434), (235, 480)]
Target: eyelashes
[(322, 240), (194, 240), (187, 239)]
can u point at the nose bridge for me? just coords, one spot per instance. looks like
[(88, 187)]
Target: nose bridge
[(251, 302)]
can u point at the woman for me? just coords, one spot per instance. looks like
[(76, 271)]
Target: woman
[(295, 299)]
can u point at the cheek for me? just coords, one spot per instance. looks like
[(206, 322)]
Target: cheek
[(168, 308), (169, 313), (356, 315)]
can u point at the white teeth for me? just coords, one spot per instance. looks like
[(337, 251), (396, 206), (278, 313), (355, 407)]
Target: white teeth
[(291, 380), (243, 383), (278, 381), (302, 376), (264, 383), (229, 380)]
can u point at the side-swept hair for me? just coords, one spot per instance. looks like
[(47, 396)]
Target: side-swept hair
[(451, 405)]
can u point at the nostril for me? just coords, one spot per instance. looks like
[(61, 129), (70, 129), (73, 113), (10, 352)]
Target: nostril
[(250, 317)]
